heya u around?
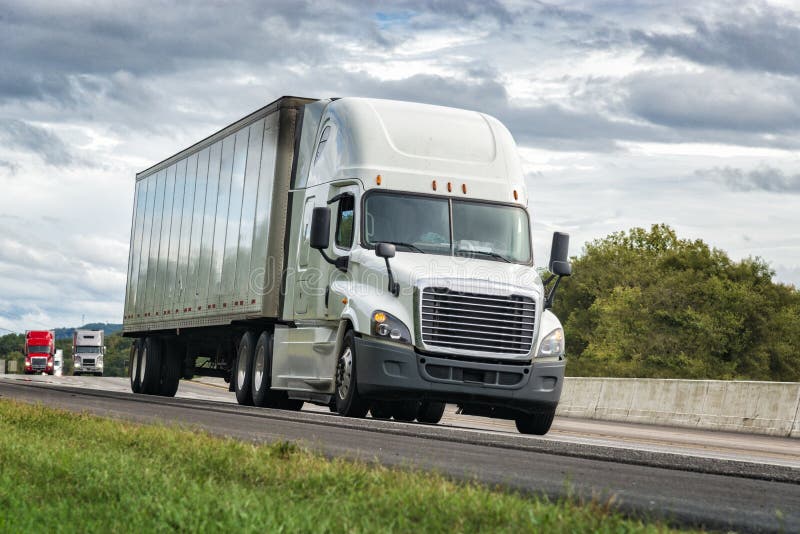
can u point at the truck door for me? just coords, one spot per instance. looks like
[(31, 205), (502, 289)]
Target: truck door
[(305, 265), (343, 201)]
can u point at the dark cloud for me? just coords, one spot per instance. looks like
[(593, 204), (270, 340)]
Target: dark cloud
[(28, 137), (764, 178), (760, 39), (713, 100)]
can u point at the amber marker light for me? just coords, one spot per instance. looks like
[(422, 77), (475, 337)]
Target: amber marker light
[(378, 179), (516, 195), (449, 187), (379, 317), (434, 185), (464, 188), (344, 300)]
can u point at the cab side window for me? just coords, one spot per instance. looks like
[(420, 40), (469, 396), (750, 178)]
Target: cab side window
[(344, 222)]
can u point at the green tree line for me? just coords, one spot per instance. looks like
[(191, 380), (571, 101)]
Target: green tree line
[(645, 303)]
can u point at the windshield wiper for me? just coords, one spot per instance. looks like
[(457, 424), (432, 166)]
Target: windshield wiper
[(484, 252), (402, 244)]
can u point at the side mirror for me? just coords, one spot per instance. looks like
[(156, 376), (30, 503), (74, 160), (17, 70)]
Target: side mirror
[(320, 228), (559, 255), (385, 250)]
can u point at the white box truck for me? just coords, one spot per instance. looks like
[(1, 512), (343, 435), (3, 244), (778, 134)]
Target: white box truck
[(88, 349), (367, 255)]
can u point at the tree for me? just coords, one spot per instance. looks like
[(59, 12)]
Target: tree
[(649, 304)]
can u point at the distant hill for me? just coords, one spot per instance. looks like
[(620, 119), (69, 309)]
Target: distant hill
[(108, 328)]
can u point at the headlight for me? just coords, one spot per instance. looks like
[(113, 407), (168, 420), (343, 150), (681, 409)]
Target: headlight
[(389, 327), (552, 344)]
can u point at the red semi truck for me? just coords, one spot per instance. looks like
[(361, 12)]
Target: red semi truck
[(40, 349)]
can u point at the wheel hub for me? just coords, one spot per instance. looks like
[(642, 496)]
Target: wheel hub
[(344, 373)]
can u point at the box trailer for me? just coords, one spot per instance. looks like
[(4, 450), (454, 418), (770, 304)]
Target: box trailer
[(369, 255)]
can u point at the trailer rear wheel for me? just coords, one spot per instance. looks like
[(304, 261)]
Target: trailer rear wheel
[(537, 423), (242, 373), (171, 360), (150, 366), (348, 402), (430, 412)]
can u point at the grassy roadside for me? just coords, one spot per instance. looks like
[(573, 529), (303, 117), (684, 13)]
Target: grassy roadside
[(61, 471)]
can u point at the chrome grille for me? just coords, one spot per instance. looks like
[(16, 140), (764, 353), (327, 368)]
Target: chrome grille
[(477, 322), (87, 362), (39, 362)]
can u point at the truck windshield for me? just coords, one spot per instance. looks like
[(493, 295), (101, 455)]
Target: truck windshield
[(39, 349), (87, 350), (423, 224)]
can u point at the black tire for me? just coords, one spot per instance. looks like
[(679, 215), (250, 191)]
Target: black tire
[(171, 361), (430, 412), (243, 370), (76, 374), (537, 423), (405, 411), (348, 402), (381, 410), (150, 365), (261, 374)]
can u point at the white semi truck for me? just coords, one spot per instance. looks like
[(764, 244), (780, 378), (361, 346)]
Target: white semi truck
[(367, 255), (88, 350)]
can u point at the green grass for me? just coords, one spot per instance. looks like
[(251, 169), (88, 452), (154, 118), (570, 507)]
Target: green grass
[(65, 472)]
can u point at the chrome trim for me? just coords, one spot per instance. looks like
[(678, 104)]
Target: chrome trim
[(473, 307)]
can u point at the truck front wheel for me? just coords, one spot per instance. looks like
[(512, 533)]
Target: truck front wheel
[(348, 402), (537, 423)]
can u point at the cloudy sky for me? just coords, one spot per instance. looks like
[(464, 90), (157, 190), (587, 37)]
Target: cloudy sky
[(626, 113)]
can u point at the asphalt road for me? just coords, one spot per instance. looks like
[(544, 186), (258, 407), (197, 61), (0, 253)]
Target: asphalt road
[(750, 485)]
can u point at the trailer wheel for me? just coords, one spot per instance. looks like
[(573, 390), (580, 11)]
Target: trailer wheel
[(430, 412), (171, 360), (150, 365), (537, 423), (405, 411), (134, 360), (261, 373), (242, 373), (348, 402)]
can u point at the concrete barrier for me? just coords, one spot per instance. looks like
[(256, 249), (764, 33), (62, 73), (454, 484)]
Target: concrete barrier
[(771, 408)]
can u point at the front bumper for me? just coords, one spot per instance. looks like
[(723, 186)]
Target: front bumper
[(393, 371)]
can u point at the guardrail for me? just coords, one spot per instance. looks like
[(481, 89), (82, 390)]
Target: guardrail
[(771, 408)]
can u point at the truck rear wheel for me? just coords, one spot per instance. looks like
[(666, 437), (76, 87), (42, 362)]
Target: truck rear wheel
[(348, 402), (430, 412), (171, 360), (243, 371), (150, 365), (537, 423)]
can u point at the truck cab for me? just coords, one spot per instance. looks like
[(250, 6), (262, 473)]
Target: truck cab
[(424, 281), (39, 352), (87, 352)]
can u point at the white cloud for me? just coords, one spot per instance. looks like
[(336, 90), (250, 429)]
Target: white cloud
[(627, 114)]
